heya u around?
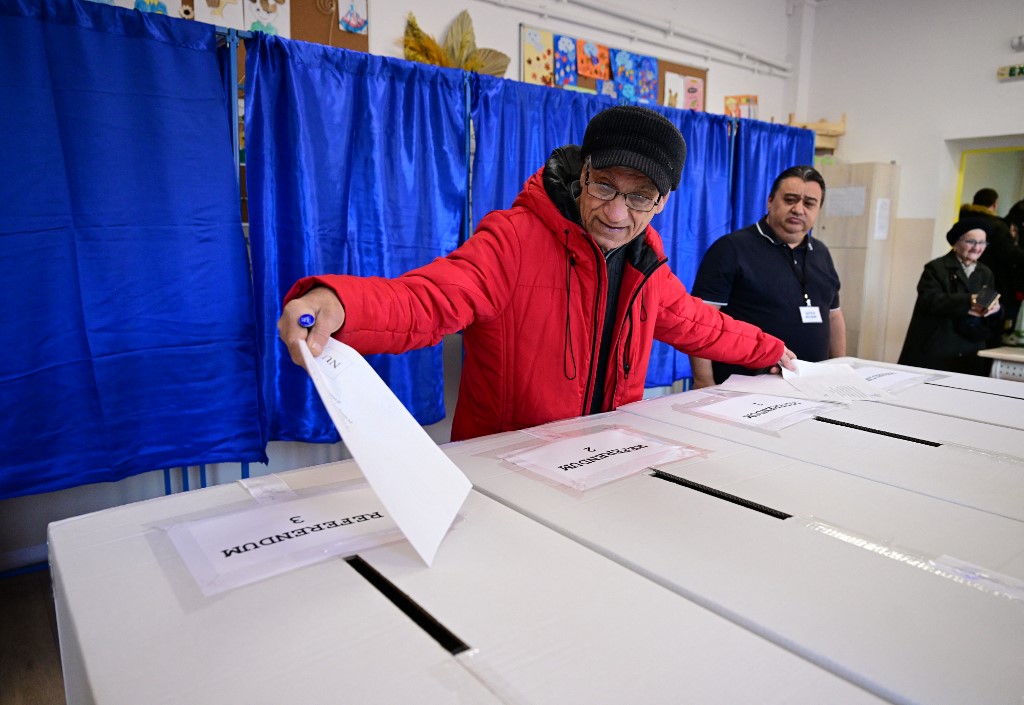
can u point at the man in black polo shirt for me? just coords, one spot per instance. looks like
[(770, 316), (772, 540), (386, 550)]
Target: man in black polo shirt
[(775, 275)]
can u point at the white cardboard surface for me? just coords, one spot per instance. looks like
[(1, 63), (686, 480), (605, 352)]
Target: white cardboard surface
[(549, 621), (983, 481), (903, 633)]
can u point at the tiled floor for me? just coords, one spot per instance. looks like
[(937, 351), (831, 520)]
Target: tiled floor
[(29, 652)]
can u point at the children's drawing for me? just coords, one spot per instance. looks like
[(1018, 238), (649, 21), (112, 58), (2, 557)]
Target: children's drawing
[(741, 106), (268, 16), (635, 76), (675, 89), (592, 60), (607, 88), (225, 13), (565, 61), (647, 79), (538, 56), (355, 19), (694, 96), (156, 6)]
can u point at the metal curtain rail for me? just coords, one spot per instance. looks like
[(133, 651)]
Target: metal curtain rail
[(467, 228), (232, 38)]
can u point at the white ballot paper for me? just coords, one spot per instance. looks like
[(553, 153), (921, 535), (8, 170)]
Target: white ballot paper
[(772, 385), (237, 548), (590, 460), (759, 412), (891, 380), (836, 382), (419, 486)]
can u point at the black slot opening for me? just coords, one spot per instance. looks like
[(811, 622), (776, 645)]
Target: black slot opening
[(675, 479), (451, 643), (973, 391), (877, 431)]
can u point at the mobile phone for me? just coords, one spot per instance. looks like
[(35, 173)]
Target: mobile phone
[(985, 298)]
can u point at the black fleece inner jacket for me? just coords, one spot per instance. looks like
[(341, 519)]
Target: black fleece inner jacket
[(562, 184)]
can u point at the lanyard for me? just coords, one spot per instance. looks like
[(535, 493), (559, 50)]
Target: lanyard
[(787, 252)]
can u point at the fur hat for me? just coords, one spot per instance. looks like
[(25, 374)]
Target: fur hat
[(964, 226), (638, 138)]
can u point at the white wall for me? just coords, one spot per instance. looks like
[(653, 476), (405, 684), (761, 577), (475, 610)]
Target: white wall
[(754, 27), (917, 81)]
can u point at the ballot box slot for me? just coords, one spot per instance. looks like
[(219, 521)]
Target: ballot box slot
[(426, 621), (676, 480), (877, 431), (974, 391)]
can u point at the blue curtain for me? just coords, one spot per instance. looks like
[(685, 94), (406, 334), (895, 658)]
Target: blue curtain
[(356, 164), (697, 214), (517, 126), (125, 302), (763, 151)]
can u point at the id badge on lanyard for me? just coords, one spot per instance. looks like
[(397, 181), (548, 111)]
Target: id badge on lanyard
[(810, 314)]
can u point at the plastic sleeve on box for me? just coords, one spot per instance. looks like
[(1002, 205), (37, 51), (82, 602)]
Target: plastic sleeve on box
[(959, 571), (582, 458), (267, 488), (766, 413)]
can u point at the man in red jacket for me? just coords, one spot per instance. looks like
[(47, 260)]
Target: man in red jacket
[(560, 297)]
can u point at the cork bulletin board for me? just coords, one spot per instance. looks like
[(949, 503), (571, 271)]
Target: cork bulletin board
[(313, 21)]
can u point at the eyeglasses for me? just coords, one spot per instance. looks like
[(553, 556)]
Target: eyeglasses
[(975, 243), (634, 201)]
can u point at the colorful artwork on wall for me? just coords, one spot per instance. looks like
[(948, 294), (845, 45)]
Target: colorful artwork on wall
[(648, 79), (355, 18), (683, 92), (693, 98), (741, 106), (565, 61), (538, 56), (635, 76), (607, 88), (224, 13), (268, 16), (592, 60), (160, 7)]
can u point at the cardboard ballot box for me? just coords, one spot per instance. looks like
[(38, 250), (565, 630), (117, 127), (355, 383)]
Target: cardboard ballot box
[(845, 581), (965, 462), (510, 612)]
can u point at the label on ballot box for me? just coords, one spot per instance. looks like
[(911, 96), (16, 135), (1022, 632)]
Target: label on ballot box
[(237, 548), (757, 412), (598, 456), (892, 380)]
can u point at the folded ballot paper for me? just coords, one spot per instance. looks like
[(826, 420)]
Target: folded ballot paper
[(417, 483), (831, 382)]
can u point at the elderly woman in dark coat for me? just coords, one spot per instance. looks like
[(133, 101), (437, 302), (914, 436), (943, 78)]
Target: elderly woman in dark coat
[(949, 324)]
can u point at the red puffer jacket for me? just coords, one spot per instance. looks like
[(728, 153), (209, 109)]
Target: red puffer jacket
[(528, 288)]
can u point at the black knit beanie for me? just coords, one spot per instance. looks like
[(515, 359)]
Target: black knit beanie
[(638, 138), (966, 225)]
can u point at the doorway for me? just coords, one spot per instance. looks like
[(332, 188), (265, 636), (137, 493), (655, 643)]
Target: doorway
[(1001, 168)]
